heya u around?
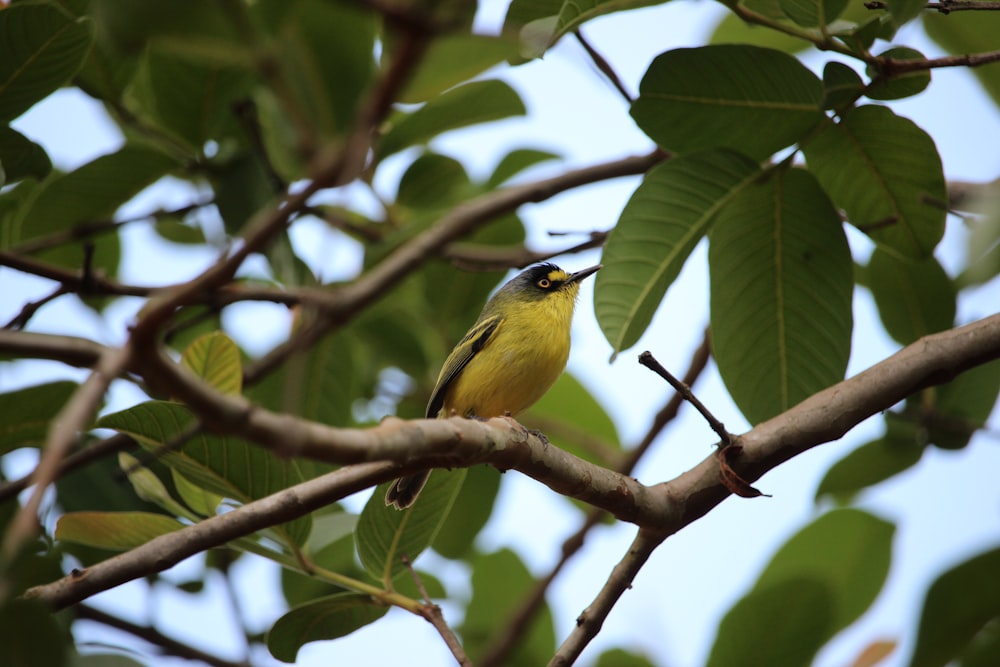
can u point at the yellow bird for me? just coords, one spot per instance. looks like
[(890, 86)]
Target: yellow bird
[(512, 355)]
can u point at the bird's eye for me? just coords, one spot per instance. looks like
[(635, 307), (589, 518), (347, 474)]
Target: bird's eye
[(544, 283)]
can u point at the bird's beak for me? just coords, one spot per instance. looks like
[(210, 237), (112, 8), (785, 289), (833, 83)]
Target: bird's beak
[(580, 275)]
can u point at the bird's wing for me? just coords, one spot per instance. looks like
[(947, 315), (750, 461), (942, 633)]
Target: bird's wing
[(459, 358)]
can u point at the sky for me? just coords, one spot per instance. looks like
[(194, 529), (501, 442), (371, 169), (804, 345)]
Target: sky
[(690, 582)]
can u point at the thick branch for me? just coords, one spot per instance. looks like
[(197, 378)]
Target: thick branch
[(662, 509)]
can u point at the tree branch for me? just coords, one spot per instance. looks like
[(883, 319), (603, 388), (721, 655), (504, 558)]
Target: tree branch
[(661, 509)]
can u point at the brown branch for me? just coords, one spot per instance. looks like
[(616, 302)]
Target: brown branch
[(662, 509), (603, 66), (165, 551), (947, 6), (650, 362), (432, 614), (896, 66), (29, 309), (589, 623), (168, 645), (75, 281), (63, 434)]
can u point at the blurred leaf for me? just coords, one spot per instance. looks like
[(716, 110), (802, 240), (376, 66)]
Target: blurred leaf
[(499, 582), (223, 465), (384, 534), (325, 51), (468, 104), (99, 486), (984, 649), (319, 383), (959, 33), (242, 187), (28, 413), (901, 85), (193, 100), (104, 660), (201, 501), (570, 417), (337, 556), (982, 253), (21, 158), (882, 169), (327, 618), (781, 286), (848, 550), (690, 99), (666, 217), (215, 358), (91, 193), (469, 514), (194, 27), (914, 298), (41, 47), (542, 23), (175, 231), (813, 13), (903, 11), (30, 634), (783, 624), (731, 29), (117, 531), (842, 85), (962, 406), (958, 606), (515, 162), (618, 657), (433, 182), (147, 485), (454, 58), (875, 461)]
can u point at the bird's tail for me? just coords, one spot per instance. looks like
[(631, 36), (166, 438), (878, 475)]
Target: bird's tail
[(404, 491)]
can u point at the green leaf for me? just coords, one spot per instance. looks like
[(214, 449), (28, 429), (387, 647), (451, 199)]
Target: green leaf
[(885, 172), (31, 635), (454, 58), (22, 158), (499, 582), (914, 298), (781, 286), (618, 657), (899, 85), (384, 534), (41, 47), (470, 512), (115, 531), (215, 358), (201, 501), (515, 162), (91, 193), (841, 85), (574, 421), (242, 187), (706, 97), (960, 604), (222, 465), (175, 231), (960, 33), (29, 412), (897, 450), (327, 618), (666, 217), (813, 13), (469, 104), (325, 54), (147, 485), (192, 100), (903, 11), (962, 406), (731, 29), (784, 624), (433, 182), (848, 550)]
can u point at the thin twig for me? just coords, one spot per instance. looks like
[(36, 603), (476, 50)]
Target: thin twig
[(947, 6), (168, 645), (29, 309), (589, 623), (474, 257), (432, 613), (603, 65), (650, 362)]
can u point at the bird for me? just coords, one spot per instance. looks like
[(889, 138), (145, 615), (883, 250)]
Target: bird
[(510, 357)]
